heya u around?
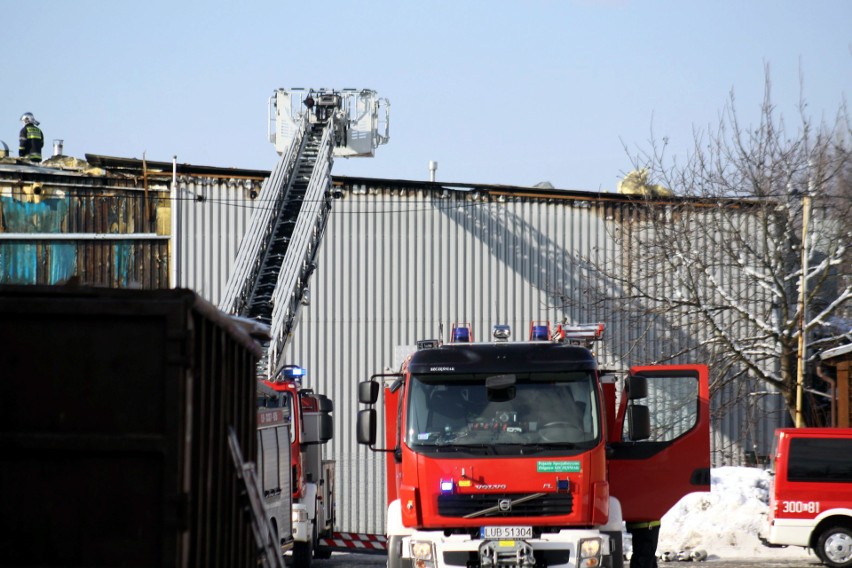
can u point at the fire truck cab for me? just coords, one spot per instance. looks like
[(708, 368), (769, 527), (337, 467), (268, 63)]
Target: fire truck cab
[(811, 493), (524, 454)]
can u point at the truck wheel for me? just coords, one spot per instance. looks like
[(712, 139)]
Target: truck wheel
[(322, 553), (302, 553), (834, 547), (395, 559)]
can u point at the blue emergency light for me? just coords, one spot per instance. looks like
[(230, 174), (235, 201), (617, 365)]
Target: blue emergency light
[(294, 372), (446, 486), (461, 334), (539, 333)]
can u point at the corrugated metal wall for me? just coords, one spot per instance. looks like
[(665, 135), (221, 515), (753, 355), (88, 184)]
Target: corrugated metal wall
[(211, 216)]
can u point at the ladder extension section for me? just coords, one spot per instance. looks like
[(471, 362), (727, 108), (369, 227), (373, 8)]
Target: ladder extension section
[(307, 235), (278, 252)]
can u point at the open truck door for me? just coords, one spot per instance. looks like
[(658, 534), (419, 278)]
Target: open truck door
[(648, 476)]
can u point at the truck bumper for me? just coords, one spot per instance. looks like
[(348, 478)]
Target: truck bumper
[(553, 549), (795, 532)]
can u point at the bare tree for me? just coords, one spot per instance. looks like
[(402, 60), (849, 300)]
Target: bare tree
[(724, 255)]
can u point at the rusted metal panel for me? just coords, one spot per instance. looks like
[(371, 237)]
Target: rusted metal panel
[(112, 263), (101, 231)]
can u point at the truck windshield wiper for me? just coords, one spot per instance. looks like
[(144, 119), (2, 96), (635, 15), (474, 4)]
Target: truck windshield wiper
[(525, 449)]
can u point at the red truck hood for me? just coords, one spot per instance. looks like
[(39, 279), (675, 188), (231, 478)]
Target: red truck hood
[(530, 490)]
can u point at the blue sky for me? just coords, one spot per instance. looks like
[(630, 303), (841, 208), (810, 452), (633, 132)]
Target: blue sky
[(506, 92)]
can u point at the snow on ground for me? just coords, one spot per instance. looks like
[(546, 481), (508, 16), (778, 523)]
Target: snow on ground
[(726, 521)]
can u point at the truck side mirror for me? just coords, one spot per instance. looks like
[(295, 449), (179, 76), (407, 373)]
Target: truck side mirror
[(637, 387), (368, 392), (318, 426), (366, 427), (638, 422), (326, 428), (324, 404)]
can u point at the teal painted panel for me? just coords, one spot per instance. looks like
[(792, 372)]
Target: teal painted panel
[(47, 216), (63, 262), (18, 263), (123, 256)]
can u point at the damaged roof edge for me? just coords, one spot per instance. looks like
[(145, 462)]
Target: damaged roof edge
[(115, 164)]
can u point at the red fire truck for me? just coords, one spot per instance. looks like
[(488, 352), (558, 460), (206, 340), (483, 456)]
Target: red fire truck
[(526, 454), (811, 495), (311, 477)]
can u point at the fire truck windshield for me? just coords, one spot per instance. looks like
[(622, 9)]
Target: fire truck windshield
[(509, 413)]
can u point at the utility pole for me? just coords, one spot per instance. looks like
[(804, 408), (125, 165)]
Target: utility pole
[(803, 284)]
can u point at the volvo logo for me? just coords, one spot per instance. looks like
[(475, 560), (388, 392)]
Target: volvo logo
[(505, 505)]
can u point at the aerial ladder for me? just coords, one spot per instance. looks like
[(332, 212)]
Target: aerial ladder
[(269, 281)]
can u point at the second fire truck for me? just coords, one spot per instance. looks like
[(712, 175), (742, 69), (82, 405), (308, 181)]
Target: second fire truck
[(298, 460)]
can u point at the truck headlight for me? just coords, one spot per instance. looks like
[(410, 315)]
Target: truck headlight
[(590, 550), (422, 553)]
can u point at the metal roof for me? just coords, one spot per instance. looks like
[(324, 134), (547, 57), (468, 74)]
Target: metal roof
[(836, 352)]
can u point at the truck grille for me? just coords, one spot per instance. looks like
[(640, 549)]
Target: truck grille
[(546, 505)]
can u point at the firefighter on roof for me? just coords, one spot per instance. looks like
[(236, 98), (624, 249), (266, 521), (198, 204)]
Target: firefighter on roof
[(32, 139)]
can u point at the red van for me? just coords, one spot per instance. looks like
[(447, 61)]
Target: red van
[(811, 494)]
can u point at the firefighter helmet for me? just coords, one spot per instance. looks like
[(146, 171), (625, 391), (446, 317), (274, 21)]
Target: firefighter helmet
[(28, 118)]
